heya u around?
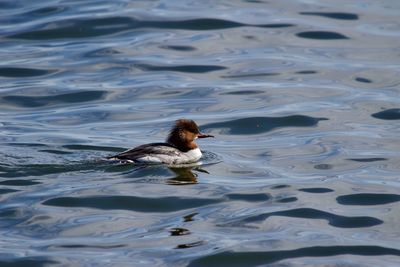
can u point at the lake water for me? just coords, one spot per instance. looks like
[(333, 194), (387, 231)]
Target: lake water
[(302, 97)]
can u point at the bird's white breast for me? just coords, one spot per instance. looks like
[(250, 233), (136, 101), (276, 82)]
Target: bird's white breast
[(179, 157)]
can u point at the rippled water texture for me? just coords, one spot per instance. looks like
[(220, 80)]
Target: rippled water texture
[(302, 97)]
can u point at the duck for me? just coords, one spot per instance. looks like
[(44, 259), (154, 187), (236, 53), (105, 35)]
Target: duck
[(179, 148)]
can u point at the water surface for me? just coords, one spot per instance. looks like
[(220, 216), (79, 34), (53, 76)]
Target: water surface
[(302, 97)]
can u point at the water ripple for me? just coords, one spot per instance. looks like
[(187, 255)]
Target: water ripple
[(28, 261), (322, 35), (333, 15), (23, 72), (41, 101), (308, 213), (258, 258), (363, 80), (182, 48), (184, 68), (257, 125), (45, 101), (82, 28), (142, 204), (389, 114), (368, 159), (18, 182), (366, 199), (316, 190), (249, 197)]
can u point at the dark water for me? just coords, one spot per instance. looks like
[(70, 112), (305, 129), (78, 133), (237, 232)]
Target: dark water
[(302, 96)]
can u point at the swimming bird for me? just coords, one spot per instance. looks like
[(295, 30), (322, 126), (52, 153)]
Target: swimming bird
[(179, 148)]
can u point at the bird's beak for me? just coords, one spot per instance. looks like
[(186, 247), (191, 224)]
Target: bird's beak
[(201, 135)]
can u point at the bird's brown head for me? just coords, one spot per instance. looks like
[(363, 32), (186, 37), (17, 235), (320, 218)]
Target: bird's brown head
[(184, 133)]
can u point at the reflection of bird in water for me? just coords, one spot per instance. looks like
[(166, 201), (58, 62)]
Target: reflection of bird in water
[(185, 175)]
